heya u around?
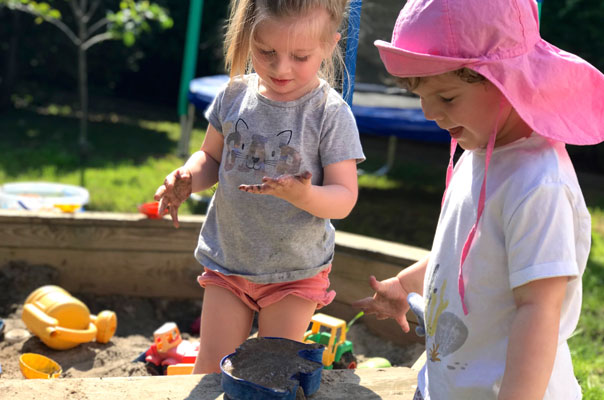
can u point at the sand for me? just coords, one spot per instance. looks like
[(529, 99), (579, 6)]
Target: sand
[(137, 319)]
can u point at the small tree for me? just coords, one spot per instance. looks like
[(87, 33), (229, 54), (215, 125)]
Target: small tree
[(127, 24)]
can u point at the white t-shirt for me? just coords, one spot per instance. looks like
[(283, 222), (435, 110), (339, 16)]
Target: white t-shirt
[(535, 225)]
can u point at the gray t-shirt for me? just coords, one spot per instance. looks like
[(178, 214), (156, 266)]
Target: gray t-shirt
[(263, 238)]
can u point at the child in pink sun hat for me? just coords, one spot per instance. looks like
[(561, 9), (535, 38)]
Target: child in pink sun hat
[(502, 284)]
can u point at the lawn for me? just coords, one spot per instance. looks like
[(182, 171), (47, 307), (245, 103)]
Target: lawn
[(133, 150)]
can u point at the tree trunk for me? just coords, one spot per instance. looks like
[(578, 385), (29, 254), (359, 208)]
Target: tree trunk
[(84, 146), (10, 67), (83, 89)]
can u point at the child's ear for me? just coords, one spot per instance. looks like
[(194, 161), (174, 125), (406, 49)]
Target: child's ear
[(336, 38)]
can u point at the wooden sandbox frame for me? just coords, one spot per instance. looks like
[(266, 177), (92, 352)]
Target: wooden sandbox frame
[(129, 254)]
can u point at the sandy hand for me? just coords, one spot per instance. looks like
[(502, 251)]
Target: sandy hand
[(388, 301), (287, 187), (176, 190)]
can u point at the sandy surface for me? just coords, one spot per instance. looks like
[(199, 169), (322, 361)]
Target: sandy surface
[(137, 319)]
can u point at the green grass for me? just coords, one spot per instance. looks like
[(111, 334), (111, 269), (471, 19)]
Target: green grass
[(131, 155), (586, 344), (128, 160)]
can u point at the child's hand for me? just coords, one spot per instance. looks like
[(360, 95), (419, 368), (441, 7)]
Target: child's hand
[(176, 190), (388, 301), (287, 187)]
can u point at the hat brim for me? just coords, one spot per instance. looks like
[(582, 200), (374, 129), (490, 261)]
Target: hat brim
[(558, 94), (405, 63)]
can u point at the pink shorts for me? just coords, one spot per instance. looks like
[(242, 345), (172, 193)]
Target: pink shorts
[(259, 295)]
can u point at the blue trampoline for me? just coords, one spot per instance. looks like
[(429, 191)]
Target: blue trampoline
[(378, 110)]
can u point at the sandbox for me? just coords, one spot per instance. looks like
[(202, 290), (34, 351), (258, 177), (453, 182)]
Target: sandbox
[(144, 270)]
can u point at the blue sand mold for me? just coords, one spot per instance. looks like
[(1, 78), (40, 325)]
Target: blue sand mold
[(241, 389)]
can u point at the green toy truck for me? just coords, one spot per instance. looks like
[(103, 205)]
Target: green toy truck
[(338, 353)]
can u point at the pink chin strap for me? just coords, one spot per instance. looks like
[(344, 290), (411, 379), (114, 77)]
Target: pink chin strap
[(481, 201)]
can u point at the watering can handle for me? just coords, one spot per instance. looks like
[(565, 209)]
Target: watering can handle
[(47, 327), (36, 320), (73, 335)]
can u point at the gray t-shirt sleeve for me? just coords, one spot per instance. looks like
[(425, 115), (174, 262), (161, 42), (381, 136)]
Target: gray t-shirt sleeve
[(340, 136), (212, 113)]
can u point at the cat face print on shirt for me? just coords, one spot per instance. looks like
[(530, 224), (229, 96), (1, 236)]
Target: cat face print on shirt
[(268, 153)]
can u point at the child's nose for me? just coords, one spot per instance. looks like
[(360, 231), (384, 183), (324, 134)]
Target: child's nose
[(431, 111), (281, 64)]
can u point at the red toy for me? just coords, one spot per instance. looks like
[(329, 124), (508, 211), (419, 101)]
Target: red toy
[(168, 349), (151, 210)]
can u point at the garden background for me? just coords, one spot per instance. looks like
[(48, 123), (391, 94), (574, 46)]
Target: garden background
[(133, 129)]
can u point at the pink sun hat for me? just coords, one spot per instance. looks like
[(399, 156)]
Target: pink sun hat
[(560, 95)]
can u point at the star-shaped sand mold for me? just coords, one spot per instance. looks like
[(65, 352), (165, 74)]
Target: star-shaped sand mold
[(272, 368)]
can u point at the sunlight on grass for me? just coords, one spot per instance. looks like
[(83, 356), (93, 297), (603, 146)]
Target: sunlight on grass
[(172, 129), (370, 181), (586, 344)]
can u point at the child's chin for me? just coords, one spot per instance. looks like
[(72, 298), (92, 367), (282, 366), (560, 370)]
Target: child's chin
[(467, 146)]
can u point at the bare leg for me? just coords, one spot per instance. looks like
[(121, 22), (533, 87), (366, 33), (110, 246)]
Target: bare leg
[(288, 318), (226, 322)]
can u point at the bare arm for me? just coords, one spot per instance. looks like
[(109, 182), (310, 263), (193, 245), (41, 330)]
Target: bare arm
[(412, 277), (533, 339), (390, 297), (334, 199), (204, 163), (199, 172)]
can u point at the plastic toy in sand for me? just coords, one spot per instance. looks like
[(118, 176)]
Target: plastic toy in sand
[(62, 322), (375, 362), (338, 352), (169, 354), (37, 366)]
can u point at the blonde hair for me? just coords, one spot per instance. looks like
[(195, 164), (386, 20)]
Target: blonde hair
[(247, 14)]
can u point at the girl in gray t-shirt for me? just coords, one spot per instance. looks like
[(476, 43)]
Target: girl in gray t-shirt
[(283, 146)]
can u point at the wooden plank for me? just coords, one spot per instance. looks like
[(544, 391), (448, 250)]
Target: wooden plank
[(145, 274), (350, 274), (128, 254), (97, 231), (398, 254), (361, 384)]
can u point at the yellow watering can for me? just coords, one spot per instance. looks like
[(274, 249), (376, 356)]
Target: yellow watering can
[(61, 321)]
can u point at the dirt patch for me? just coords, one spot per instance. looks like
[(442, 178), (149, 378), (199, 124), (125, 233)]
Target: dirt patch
[(137, 319)]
